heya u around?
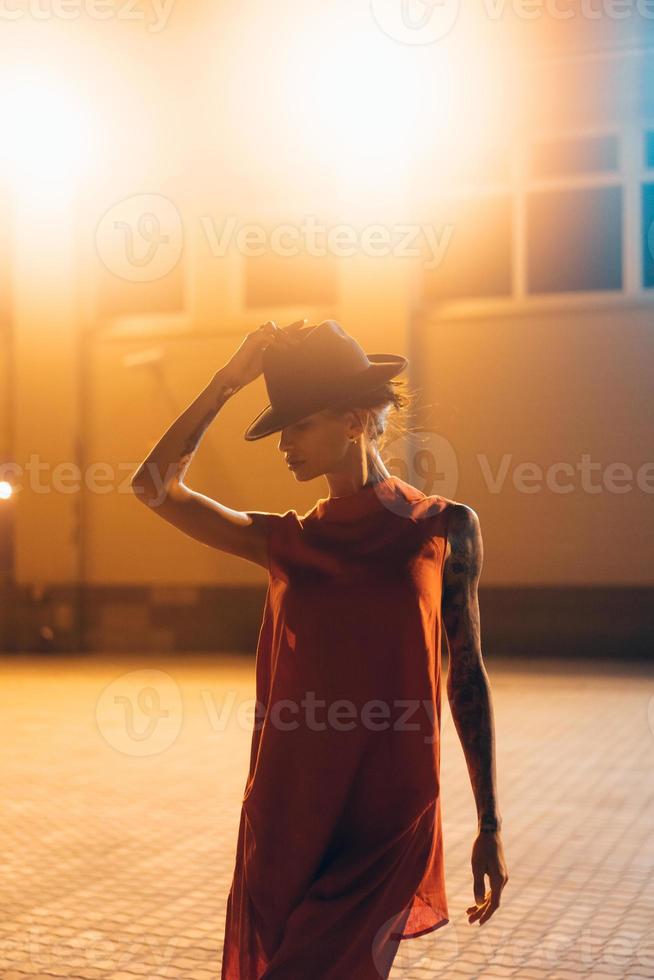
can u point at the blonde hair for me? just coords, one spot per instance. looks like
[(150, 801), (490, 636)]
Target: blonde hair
[(388, 408)]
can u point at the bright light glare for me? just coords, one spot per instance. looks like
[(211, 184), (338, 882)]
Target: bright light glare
[(361, 107), (45, 134), (379, 123), (6, 490)]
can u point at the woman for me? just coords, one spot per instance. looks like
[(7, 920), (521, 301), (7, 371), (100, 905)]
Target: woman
[(340, 851)]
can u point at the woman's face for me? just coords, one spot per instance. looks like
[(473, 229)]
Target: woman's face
[(318, 443)]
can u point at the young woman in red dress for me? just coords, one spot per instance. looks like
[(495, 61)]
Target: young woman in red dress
[(340, 850)]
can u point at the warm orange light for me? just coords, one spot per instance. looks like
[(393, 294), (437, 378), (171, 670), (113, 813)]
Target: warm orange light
[(45, 134), (366, 112)]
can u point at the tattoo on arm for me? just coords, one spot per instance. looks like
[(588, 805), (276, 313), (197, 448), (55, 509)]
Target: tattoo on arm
[(468, 687), (191, 444), (194, 438), (171, 455)]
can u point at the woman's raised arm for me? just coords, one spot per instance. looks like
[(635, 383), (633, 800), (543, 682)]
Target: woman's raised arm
[(158, 482)]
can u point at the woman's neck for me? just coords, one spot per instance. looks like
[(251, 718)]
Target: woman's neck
[(369, 472)]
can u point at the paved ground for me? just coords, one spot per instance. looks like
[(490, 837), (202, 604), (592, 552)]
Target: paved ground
[(120, 804)]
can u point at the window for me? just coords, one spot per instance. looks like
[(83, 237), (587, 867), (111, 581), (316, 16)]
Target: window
[(574, 240), (649, 149), (121, 297), (575, 217), (554, 158), (475, 235)]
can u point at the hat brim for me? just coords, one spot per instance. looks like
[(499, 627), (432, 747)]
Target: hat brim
[(383, 368)]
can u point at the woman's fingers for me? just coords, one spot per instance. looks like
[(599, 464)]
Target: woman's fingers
[(288, 335), (285, 337), (290, 332), (474, 912)]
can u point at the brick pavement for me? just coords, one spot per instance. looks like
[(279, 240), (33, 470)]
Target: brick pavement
[(119, 825)]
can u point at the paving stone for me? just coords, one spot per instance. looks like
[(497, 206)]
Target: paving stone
[(118, 854)]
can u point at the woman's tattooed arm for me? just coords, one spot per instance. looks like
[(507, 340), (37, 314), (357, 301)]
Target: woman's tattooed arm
[(172, 455), (468, 687)]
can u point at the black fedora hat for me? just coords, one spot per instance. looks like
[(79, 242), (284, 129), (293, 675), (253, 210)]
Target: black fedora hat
[(326, 369)]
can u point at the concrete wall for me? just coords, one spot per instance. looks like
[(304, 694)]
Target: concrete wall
[(550, 389), (521, 384)]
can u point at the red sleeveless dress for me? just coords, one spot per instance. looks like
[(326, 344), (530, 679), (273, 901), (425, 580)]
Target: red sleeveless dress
[(340, 849)]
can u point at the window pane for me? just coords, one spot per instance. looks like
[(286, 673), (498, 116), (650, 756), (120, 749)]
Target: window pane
[(594, 154), (574, 240), (290, 280), (473, 255), (649, 149), (648, 235)]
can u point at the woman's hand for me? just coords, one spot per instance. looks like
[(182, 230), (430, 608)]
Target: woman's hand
[(246, 364), (487, 859)]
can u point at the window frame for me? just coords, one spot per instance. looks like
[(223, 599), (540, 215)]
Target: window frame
[(630, 174)]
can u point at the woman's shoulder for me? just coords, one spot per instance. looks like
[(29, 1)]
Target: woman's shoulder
[(425, 503), (444, 516), (283, 534), (275, 521)]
